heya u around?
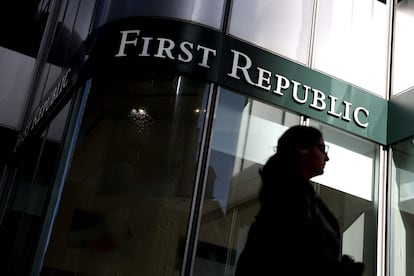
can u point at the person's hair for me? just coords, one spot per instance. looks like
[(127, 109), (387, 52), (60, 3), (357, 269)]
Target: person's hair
[(286, 157), (305, 136)]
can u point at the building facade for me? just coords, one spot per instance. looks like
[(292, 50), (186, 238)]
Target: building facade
[(134, 130)]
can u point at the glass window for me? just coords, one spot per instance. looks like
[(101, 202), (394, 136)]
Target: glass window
[(50, 73), (22, 28), (73, 24), (403, 56), (349, 188), (72, 28), (20, 218), (30, 193), (402, 209), (205, 12), (127, 196), (14, 83), (245, 133), (282, 27), (21, 34), (351, 42), (9, 138)]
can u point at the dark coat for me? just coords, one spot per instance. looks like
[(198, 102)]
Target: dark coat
[(294, 232)]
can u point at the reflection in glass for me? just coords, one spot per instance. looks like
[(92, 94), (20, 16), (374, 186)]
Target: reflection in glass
[(403, 55), (14, 86), (29, 196), (348, 186), (244, 135), (402, 209), (126, 200), (282, 27), (351, 42), (205, 12)]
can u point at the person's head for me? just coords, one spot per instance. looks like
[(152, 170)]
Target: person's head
[(304, 149)]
